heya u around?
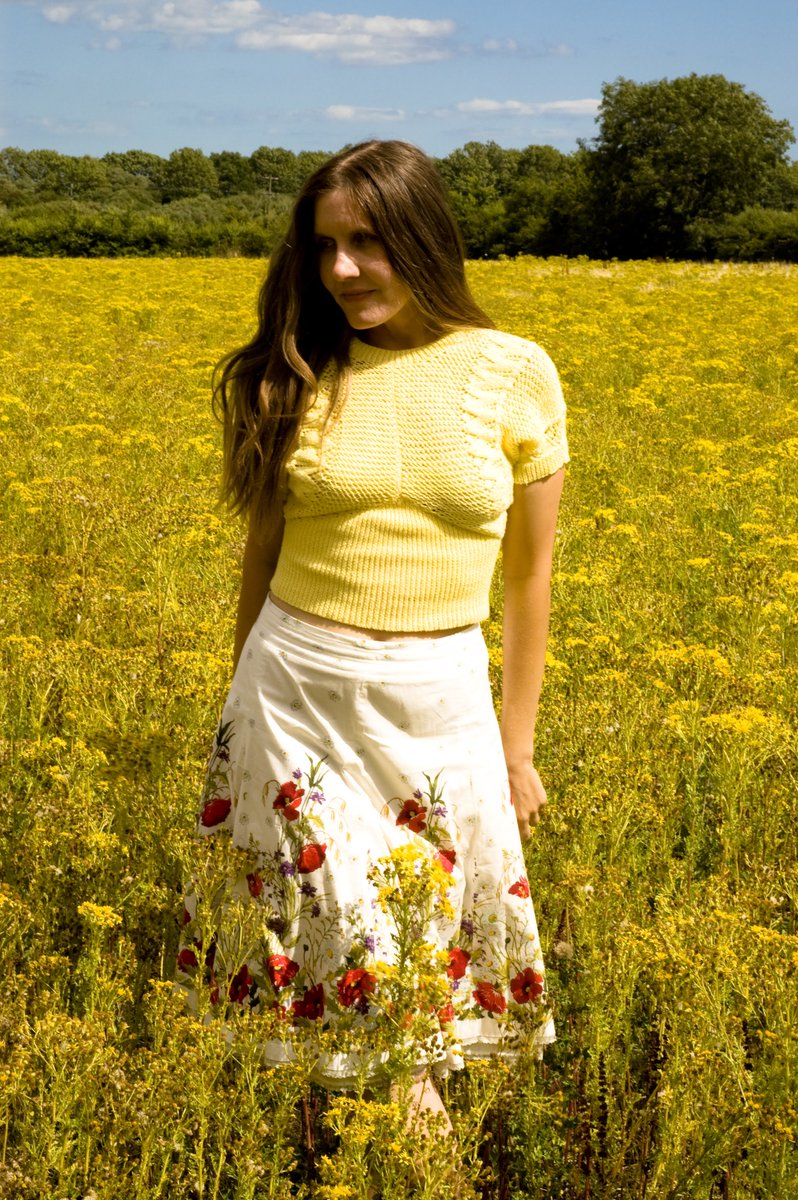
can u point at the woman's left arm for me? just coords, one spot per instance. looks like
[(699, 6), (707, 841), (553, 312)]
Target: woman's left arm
[(527, 552)]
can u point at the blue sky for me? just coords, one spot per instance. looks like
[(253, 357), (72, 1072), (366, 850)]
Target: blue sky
[(88, 76)]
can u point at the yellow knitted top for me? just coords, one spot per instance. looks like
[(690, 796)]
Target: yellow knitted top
[(395, 511)]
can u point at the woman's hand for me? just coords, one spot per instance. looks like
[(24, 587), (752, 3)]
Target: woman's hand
[(528, 795)]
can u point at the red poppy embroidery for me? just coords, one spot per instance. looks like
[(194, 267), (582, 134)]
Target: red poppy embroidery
[(186, 917), (255, 884), (311, 857), (489, 998), (215, 810), (240, 985), (458, 961), (520, 887), (355, 987), (527, 985), (413, 815), (187, 959), (291, 791), (447, 857), (288, 800), (281, 969), (311, 1005)]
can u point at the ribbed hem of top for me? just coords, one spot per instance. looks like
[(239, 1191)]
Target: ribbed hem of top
[(365, 571), (542, 467)]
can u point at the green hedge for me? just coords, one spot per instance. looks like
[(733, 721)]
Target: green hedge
[(203, 229), (131, 234), (753, 235)]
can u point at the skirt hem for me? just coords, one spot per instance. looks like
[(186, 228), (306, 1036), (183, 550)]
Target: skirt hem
[(344, 1071)]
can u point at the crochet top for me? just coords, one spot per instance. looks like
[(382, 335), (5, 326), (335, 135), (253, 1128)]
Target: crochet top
[(396, 509)]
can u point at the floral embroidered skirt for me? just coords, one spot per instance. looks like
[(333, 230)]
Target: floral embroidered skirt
[(335, 752)]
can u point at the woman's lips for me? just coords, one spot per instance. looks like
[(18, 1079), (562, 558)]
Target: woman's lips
[(351, 297)]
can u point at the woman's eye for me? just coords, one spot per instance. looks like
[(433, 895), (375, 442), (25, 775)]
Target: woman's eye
[(363, 236)]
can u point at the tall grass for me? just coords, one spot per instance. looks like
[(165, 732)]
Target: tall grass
[(664, 872)]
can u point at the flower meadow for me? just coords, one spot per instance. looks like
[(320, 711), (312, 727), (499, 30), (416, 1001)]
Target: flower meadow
[(663, 873)]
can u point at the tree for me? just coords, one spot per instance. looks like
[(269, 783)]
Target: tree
[(275, 170), (783, 190), (136, 177), (83, 178), (16, 185), (52, 176), (546, 210), (676, 151), (308, 161), (188, 173), (139, 163), (38, 168), (479, 176), (480, 171), (234, 172)]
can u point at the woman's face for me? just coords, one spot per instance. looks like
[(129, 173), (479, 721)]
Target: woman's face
[(355, 270)]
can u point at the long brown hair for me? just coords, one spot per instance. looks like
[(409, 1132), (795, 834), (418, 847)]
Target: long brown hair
[(263, 389)]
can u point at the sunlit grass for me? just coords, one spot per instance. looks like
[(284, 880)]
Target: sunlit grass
[(664, 872)]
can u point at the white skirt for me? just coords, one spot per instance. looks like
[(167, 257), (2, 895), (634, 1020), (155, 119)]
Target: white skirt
[(333, 751)]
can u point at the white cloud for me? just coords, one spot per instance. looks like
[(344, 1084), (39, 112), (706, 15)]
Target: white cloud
[(573, 108), (348, 37), (523, 108), (354, 39), (509, 46), (112, 23), (495, 45), (59, 14), (352, 112), (201, 18), (175, 16)]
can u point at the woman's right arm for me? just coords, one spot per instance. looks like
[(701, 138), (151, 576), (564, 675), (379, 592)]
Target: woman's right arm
[(261, 552)]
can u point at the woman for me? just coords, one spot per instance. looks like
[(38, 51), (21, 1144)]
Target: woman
[(383, 440)]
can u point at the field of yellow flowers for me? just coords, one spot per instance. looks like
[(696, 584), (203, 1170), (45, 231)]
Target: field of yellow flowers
[(664, 871)]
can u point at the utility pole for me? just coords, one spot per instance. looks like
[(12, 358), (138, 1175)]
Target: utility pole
[(270, 179)]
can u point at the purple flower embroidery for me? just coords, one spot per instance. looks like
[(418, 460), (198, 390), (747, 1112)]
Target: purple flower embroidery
[(419, 795), (467, 926), (317, 796), (297, 774), (369, 942), (287, 867), (439, 811), (307, 889), (314, 912)]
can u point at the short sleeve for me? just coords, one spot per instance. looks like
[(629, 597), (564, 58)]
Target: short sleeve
[(533, 429)]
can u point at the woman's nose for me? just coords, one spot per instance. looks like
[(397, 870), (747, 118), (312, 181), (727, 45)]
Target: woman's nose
[(344, 265)]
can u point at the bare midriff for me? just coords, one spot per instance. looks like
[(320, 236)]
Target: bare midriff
[(381, 635)]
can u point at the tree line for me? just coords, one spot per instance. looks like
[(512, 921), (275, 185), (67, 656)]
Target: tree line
[(693, 167)]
